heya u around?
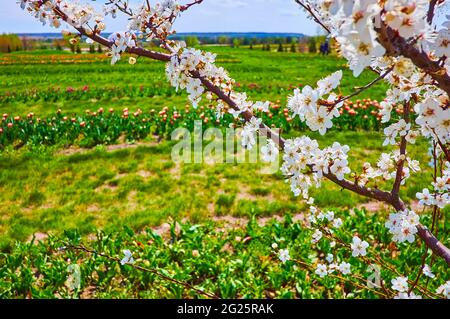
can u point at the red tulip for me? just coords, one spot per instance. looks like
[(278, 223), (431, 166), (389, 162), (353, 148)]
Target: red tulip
[(83, 124), (10, 125)]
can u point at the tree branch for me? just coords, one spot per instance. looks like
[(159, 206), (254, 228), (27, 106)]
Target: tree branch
[(395, 45), (430, 13), (310, 10), (398, 175)]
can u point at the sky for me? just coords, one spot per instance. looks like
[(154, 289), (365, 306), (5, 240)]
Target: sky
[(210, 16)]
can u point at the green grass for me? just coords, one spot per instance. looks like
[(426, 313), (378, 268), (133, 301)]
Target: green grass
[(42, 191), (219, 259)]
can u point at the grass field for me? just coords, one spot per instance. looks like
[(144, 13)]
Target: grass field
[(49, 190), (40, 79)]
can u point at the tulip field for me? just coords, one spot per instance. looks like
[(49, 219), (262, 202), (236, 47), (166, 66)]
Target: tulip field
[(85, 158)]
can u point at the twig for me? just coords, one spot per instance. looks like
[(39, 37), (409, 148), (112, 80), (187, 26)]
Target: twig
[(313, 15), (137, 267), (398, 175)]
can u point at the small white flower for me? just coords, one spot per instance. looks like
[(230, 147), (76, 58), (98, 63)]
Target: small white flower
[(425, 198), (321, 270), (284, 256), (358, 247), (344, 268), (400, 284), (316, 236), (444, 290), (330, 258), (269, 152), (427, 271), (128, 259), (337, 223), (405, 295)]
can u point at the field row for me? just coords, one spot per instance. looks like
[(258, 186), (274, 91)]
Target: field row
[(107, 127)]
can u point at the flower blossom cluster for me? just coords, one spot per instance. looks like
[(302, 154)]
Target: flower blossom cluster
[(354, 25), (187, 66), (121, 42), (432, 118), (311, 106), (78, 15), (386, 168), (153, 22), (403, 226), (303, 155), (441, 186)]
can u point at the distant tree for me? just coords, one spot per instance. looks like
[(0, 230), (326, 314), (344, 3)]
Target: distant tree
[(10, 43), (92, 48), (58, 44), (78, 48), (312, 46), (236, 43), (223, 40), (192, 41), (293, 47), (268, 48), (27, 44), (99, 49), (280, 47), (251, 46)]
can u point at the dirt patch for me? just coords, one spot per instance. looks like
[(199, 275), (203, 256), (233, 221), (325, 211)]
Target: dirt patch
[(92, 208), (109, 148), (376, 206), (38, 237), (175, 171), (145, 174), (106, 187), (88, 293)]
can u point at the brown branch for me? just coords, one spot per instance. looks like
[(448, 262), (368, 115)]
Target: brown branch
[(396, 45), (313, 15), (430, 13), (444, 149), (358, 90), (398, 175), (187, 6), (149, 270)]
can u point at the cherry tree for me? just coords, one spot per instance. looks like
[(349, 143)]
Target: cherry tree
[(398, 40)]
